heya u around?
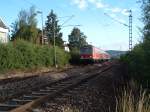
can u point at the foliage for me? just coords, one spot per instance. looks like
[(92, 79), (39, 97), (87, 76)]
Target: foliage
[(75, 57), (62, 58), (138, 66), (25, 27), (76, 39), (53, 29), (22, 54), (138, 60)]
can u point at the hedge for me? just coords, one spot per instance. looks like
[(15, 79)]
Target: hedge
[(22, 54)]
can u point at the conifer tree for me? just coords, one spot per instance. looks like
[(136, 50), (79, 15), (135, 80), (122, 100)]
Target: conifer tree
[(53, 30)]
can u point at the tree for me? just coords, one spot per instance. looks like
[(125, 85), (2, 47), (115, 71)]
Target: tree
[(146, 19), (138, 60), (146, 34), (25, 27), (53, 29), (76, 39)]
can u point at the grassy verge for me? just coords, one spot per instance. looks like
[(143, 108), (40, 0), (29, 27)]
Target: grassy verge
[(133, 99)]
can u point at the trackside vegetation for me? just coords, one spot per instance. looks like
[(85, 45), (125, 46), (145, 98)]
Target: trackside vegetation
[(76, 40), (138, 60), (22, 54), (138, 66)]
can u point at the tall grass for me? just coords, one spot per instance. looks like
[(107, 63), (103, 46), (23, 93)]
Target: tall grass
[(22, 54), (132, 100)]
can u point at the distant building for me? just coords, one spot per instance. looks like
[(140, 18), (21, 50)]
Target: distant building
[(3, 32), (66, 46)]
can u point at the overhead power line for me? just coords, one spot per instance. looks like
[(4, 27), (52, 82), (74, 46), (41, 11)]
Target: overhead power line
[(67, 20), (116, 20), (129, 26)]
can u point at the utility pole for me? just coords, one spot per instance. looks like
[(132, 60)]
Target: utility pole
[(42, 28), (40, 12), (130, 30), (54, 37)]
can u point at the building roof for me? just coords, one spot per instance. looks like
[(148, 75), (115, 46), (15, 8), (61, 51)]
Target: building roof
[(2, 25)]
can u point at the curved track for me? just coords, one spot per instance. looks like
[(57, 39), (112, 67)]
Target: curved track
[(28, 101)]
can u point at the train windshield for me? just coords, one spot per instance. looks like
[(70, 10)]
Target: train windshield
[(86, 50)]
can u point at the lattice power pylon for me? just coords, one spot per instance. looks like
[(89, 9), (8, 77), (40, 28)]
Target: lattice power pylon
[(130, 30)]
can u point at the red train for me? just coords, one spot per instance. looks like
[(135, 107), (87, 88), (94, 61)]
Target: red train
[(90, 53)]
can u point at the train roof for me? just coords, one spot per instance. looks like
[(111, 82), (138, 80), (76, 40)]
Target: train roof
[(96, 48)]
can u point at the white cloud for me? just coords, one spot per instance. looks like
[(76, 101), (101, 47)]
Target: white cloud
[(125, 12), (100, 5), (82, 4), (97, 3), (118, 10)]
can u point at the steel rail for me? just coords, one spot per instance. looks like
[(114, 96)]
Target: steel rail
[(35, 103)]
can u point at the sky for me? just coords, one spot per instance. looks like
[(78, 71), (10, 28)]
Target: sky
[(101, 30)]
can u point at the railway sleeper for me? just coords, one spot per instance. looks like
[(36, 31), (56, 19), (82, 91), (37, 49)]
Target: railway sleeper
[(80, 89), (7, 107), (62, 85), (58, 86), (19, 101), (50, 88), (46, 90), (40, 93), (73, 92), (61, 99), (66, 94), (30, 97)]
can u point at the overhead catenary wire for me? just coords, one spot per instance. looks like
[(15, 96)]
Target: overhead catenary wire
[(67, 20), (129, 26), (116, 20)]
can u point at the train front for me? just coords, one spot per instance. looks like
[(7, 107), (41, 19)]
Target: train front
[(86, 54)]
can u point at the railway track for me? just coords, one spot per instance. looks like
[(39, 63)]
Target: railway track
[(28, 101), (11, 88)]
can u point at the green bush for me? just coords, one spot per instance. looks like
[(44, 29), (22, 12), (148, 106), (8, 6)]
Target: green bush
[(62, 57), (22, 54), (75, 56), (138, 64)]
